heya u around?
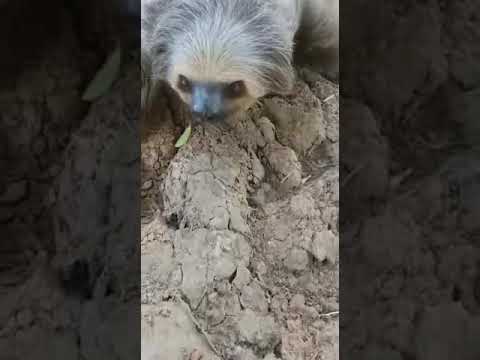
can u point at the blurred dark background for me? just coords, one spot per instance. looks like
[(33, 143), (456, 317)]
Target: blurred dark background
[(410, 179), (69, 180)]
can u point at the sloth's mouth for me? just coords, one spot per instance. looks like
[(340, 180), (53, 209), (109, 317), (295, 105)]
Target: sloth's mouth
[(217, 117)]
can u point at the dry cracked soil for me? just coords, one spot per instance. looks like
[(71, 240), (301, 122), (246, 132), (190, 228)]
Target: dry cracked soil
[(410, 181), (240, 230)]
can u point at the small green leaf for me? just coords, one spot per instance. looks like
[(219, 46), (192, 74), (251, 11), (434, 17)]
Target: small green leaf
[(104, 78), (183, 139)]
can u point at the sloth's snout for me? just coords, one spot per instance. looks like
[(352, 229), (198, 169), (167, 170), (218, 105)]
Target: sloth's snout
[(207, 102)]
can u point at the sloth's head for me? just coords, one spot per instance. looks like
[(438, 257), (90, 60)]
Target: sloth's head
[(224, 55)]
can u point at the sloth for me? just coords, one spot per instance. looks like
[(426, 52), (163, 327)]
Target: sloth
[(221, 56)]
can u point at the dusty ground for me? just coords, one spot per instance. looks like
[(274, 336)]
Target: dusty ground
[(240, 230), (69, 192), (230, 274), (410, 214)]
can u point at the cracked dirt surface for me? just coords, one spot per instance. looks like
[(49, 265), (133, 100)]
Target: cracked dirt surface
[(70, 249), (240, 230), (410, 181), (74, 278)]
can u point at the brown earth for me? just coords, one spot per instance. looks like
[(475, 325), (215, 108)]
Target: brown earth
[(410, 180), (240, 230)]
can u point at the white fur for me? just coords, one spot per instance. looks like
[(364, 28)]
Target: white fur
[(207, 40), (220, 49)]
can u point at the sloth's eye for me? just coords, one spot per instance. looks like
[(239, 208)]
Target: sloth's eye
[(184, 84), (236, 89)]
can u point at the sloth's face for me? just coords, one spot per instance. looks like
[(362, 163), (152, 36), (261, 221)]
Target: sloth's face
[(222, 68), (213, 100)]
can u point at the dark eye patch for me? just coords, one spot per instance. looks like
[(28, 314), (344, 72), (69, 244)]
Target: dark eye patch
[(184, 84), (235, 90)]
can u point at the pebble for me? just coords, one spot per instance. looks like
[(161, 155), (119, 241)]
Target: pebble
[(147, 185), (296, 260), (325, 246)]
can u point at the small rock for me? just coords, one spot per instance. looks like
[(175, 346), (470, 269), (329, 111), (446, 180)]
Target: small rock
[(296, 260), (297, 301), (325, 246), (242, 278), (261, 268), (259, 198), (254, 329), (258, 170), (253, 298), (278, 304), (298, 126), (285, 164), (263, 195), (267, 129), (303, 205), (223, 288), (147, 185), (310, 314)]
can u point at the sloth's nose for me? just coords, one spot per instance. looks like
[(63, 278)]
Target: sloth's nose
[(206, 103)]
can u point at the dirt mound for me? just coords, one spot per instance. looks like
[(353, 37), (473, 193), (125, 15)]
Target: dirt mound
[(240, 231)]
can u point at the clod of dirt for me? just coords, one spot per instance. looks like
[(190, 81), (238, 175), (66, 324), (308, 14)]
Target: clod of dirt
[(267, 129), (159, 272), (207, 256), (168, 333), (299, 124), (290, 226), (297, 302), (253, 297), (206, 189), (285, 166), (296, 260), (323, 89), (325, 246), (242, 277), (256, 330)]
